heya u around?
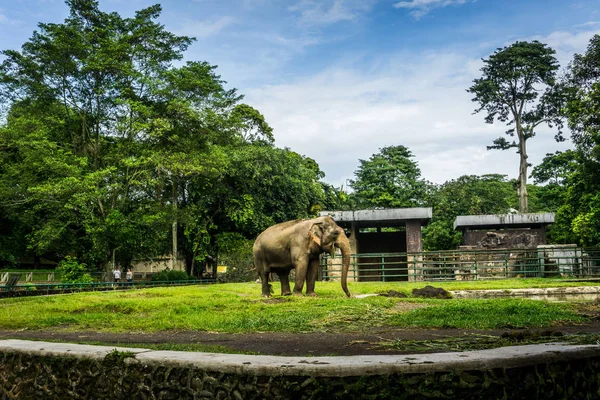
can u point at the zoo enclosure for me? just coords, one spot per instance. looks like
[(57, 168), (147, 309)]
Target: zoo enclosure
[(544, 261)]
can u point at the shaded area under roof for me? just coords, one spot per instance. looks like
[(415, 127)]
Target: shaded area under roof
[(531, 220)]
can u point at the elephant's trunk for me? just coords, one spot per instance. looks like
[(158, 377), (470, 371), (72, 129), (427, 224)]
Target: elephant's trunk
[(344, 245)]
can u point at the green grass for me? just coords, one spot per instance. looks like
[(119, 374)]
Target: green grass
[(234, 308), (481, 342), (488, 314)]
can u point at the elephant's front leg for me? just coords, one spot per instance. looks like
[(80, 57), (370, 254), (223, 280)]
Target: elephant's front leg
[(301, 265), (311, 276), (284, 279)]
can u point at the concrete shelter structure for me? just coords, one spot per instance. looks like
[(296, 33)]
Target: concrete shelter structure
[(395, 230), (361, 223)]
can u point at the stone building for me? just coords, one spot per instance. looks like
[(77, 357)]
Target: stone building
[(504, 231), (506, 245)]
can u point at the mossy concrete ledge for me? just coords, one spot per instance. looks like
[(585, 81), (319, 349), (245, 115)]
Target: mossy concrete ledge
[(31, 369)]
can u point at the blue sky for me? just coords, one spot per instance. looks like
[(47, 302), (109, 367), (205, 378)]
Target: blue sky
[(339, 79)]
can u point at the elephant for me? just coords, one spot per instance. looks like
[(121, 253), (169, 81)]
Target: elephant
[(298, 244)]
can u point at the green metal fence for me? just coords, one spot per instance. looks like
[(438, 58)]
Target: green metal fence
[(545, 261), (92, 286)]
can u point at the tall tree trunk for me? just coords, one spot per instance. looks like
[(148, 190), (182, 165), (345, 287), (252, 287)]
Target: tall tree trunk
[(522, 165), (174, 226), (523, 176)]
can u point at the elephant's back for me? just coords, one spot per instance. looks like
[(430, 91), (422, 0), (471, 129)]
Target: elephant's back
[(277, 237)]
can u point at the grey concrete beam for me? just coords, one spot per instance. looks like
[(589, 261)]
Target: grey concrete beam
[(500, 220), (505, 357), (384, 215)]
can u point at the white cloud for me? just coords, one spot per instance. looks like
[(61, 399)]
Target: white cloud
[(203, 29), (419, 100), (588, 24), (342, 115), (422, 7), (568, 43), (317, 12)]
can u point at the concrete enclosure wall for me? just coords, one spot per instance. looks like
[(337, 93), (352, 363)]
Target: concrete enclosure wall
[(505, 239), (157, 265), (33, 370)]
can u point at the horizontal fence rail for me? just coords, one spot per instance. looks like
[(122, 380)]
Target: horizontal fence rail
[(546, 261), (43, 288)]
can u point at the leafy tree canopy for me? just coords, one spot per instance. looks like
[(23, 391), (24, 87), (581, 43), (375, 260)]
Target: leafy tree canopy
[(389, 179), (578, 219), (509, 91), (112, 148)]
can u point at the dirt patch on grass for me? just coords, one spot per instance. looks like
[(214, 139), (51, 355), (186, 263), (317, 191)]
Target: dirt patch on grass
[(370, 341)]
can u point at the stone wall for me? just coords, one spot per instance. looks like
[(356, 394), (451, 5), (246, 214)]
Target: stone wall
[(157, 265), (34, 370), (505, 239)]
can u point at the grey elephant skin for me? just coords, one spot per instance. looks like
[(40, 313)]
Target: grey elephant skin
[(298, 244)]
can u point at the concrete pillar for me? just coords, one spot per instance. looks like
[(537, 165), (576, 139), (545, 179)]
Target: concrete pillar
[(414, 244), (413, 236)]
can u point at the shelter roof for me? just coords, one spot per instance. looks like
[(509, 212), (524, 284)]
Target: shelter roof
[(499, 221), (381, 217)]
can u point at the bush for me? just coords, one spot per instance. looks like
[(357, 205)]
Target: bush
[(171, 275), (72, 271), (241, 273), (235, 252), (7, 260)]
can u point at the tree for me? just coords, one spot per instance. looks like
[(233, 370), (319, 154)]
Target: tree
[(106, 140), (112, 150), (508, 91), (466, 195), (87, 82), (554, 173), (579, 217), (388, 179)]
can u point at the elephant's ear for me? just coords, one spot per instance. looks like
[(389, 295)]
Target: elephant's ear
[(315, 233)]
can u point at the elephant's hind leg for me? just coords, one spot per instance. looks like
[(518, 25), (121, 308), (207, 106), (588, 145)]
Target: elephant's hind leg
[(285, 283), (264, 277)]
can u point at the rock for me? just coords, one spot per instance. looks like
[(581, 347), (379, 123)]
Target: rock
[(431, 292)]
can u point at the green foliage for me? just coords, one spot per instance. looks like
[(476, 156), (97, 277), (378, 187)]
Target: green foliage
[(467, 195), (72, 271), (235, 252), (508, 91), (389, 179), (578, 218), (440, 235), (168, 275), (116, 358), (555, 168), (110, 141)]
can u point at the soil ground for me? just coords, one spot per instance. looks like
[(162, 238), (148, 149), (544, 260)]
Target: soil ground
[(368, 342)]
